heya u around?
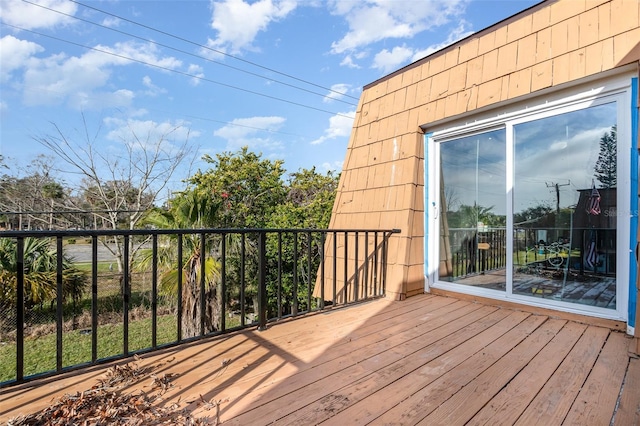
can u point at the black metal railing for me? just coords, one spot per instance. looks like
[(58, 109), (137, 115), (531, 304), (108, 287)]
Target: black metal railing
[(476, 251), (70, 299)]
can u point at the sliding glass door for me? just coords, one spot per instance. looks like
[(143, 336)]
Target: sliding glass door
[(474, 210), (527, 206), (565, 207)]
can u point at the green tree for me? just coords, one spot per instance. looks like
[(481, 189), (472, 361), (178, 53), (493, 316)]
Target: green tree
[(188, 210), (467, 216), (606, 167), (309, 202), (248, 187), (40, 274), (249, 190)]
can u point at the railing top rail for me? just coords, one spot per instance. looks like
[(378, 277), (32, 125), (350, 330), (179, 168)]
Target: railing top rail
[(111, 232)]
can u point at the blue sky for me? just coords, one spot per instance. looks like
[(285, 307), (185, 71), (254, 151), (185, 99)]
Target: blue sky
[(282, 77)]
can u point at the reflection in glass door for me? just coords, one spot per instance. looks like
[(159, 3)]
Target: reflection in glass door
[(565, 208), (473, 220)]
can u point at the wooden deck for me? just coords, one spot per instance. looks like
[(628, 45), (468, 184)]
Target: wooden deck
[(428, 360)]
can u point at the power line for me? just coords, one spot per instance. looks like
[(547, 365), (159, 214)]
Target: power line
[(194, 55), (211, 49), (178, 72)]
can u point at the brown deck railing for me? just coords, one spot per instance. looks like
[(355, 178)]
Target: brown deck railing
[(163, 294)]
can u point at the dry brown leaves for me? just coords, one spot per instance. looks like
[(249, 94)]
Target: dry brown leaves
[(108, 403)]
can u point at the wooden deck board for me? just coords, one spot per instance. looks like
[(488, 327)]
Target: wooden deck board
[(427, 399), (607, 373), (552, 403), (429, 360), (507, 406), (394, 366), (629, 409), (462, 406)]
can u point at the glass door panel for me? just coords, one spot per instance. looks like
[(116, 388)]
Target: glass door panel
[(564, 207), (473, 220)]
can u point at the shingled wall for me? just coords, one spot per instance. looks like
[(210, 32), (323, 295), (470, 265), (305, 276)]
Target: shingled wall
[(551, 44)]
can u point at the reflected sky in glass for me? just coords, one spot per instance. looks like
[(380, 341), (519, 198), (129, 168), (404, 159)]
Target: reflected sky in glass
[(561, 149), (473, 171)]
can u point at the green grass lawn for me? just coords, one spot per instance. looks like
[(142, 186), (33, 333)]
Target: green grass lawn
[(40, 352)]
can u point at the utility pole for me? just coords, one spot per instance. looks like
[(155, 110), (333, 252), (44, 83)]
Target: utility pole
[(557, 188)]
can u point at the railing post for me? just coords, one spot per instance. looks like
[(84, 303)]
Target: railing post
[(356, 275), (365, 265), (180, 267), (203, 263), (309, 287), (345, 293), (279, 274), (322, 270), (59, 301), (294, 289), (20, 309), (154, 291), (126, 293), (262, 281), (243, 267), (94, 298), (222, 297)]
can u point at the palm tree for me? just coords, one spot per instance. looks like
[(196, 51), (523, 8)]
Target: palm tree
[(189, 211), (40, 273)]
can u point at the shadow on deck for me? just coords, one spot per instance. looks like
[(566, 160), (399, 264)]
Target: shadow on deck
[(427, 360)]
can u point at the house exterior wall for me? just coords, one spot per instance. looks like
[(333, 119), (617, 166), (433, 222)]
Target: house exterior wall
[(548, 45)]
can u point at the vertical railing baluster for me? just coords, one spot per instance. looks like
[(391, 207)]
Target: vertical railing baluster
[(20, 308), (385, 246), (365, 272), (322, 270), (309, 290), (59, 302), (125, 299), (279, 290), (294, 289), (222, 297), (94, 298), (262, 281), (180, 267), (356, 276), (154, 291), (375, 263), (243, 266), (345, 293), (203, 261), (335, 268)]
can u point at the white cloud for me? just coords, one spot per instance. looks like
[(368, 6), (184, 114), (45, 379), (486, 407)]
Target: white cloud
[(348, 62), (111, 22), (371, 21), (15, 54), (339, 126), (458, 33), (243, 132), (197, 71), (97, 100), (237, 22), (30, 17), (337, 92), (57, 78), (148, 131), (334, 166), (152, 89), (388, 61)]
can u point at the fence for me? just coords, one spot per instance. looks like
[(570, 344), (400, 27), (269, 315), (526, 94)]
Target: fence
[(70, 299)]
